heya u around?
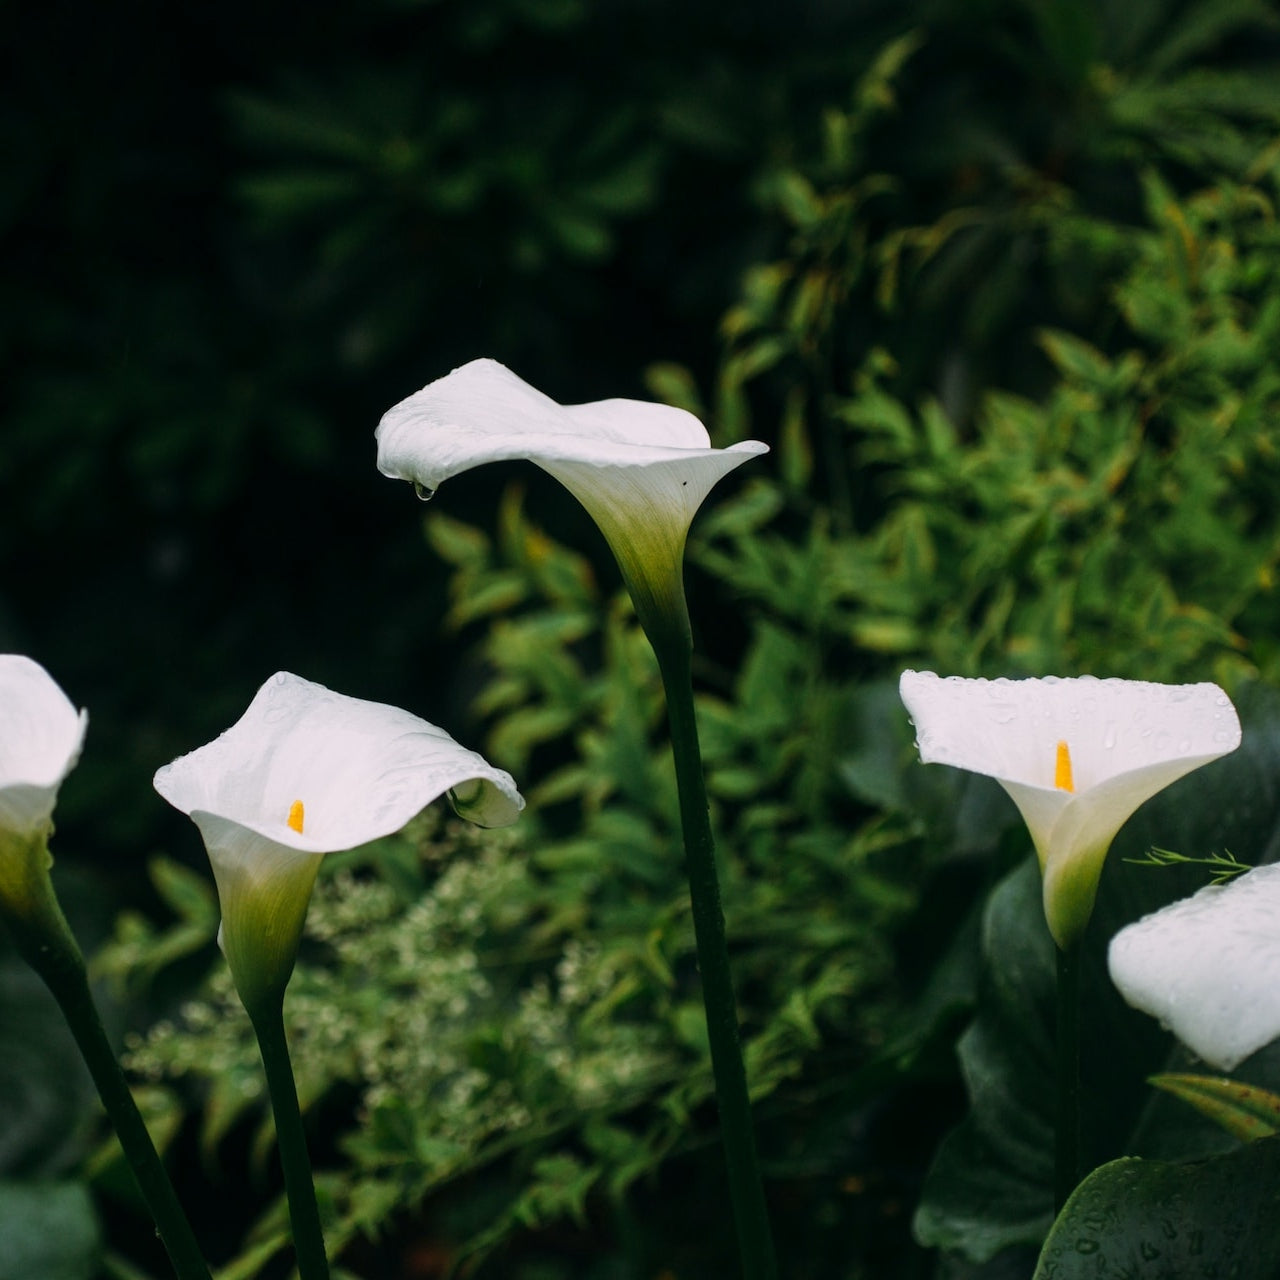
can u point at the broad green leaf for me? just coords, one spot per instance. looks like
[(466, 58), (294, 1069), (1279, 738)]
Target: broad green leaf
[(48, 1231), (45, 1091), (1162, 1221), (1243, 1110)]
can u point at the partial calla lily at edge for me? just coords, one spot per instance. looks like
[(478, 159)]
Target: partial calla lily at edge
[(1209, 967), (40, 742), (641, 470), (41, 735), (1078, 756), (305, 772)]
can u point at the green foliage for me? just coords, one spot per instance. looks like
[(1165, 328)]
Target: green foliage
[(1120, 523), (529, 1004)]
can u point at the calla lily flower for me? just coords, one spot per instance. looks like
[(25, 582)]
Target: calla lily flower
[(1209, 967), (302, 773), (641, 470), (41, 735), (1077, 756)]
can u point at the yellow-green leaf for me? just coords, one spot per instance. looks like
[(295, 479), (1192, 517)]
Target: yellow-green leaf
[(1243, 1110)]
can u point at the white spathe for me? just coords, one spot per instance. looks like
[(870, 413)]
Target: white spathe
[(40, 741), (1127, 740), (1209, 967), (305, 772), (641, 470)]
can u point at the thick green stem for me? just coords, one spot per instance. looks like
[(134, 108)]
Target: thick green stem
[(1067, 1145), (267, 1017), (45, 941), (746, 1191)]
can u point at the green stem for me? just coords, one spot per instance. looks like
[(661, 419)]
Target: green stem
[(45, 941), (267, 1016), (1067, 1146), (746, 1191)]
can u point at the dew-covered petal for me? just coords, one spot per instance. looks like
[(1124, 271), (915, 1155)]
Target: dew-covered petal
[(642, 470), (40, 742), (1009, 729), (360, 769), (1122, 741), (1208, 967), (482, 412)]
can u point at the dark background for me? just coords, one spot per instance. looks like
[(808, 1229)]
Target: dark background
[(233, 235)]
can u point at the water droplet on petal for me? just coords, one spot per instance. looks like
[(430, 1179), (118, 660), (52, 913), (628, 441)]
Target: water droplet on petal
[(423, 492)]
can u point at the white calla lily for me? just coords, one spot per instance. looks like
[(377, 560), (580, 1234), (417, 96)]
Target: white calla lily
[(1078, 756), (641, 470), (305, 772), (40, 744), (1209, 967)]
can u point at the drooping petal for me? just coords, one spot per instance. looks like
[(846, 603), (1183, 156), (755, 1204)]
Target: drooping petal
[(304, 772), (641, 470), (1125, 740), (1208, 967), (361, 770), (40, 743), (482, 412)]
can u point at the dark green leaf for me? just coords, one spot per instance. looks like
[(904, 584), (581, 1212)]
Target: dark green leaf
[(1159, 1221), (48, 1231)]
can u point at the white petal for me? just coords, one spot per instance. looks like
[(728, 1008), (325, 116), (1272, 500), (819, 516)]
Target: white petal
[(361, 770), (1127, 740), (40, 743), (1009, 729), (483, 412), (1209, 967)]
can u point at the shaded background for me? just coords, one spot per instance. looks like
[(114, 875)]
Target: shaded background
[(232, 237)]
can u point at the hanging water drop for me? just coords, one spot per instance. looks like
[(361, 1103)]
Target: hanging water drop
[(423, 492)]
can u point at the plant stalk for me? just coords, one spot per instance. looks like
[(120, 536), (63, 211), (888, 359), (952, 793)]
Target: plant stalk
[(45, 942), (746, 1191), (267, 1017), (1067, 1144)]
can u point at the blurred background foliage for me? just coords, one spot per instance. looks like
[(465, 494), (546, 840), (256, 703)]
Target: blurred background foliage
[(994, 279)]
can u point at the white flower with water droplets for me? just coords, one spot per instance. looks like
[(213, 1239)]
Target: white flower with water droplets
[(641, 470), (302, 773), (1209, 967), (1077, 756)]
